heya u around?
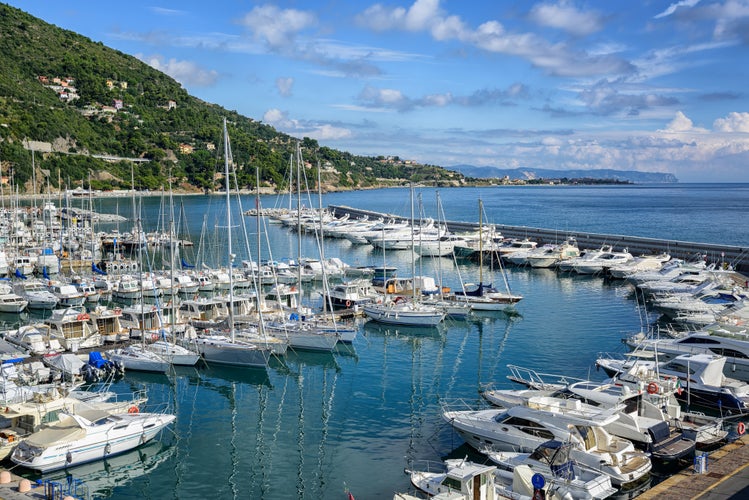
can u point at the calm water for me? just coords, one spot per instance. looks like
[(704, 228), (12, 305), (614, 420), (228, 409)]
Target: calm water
[(316, 424)]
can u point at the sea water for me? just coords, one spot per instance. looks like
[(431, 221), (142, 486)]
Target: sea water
[(317, 425)]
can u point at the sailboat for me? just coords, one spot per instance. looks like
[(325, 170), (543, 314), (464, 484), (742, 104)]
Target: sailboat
[(401, 311), (222, 349), (300, 334), (485, 297)]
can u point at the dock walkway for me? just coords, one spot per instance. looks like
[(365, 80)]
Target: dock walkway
[(727, 476)]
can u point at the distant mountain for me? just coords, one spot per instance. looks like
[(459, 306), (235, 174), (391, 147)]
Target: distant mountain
[(543, 173)]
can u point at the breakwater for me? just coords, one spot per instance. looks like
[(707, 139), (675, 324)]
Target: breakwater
[(736, 256)]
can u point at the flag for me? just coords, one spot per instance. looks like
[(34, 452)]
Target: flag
[(679, 390), (350, 496)]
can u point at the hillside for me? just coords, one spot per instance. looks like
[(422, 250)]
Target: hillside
[(541, 173), (90, 110)]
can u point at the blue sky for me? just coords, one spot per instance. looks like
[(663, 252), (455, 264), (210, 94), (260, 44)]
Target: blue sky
[(659, 86)]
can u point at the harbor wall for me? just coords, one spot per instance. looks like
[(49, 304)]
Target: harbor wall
[(735, 256)]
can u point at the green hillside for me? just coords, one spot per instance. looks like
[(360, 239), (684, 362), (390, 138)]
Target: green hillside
[(75, 101)]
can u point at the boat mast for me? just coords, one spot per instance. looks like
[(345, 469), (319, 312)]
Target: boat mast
[(481, 243), (299, 226), (228, 224), (413, 260)]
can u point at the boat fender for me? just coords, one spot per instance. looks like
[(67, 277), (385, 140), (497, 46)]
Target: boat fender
[(143, 438), (69, 457), (741, 428), (652, 388), (108, 449)]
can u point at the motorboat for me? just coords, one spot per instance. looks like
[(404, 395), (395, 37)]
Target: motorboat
[(515, 245), (642, 408), (67, 294), (11, 302), (127, 288), (350, 294), (19, 420), (652, 433), (523, 429), (585, 255), (701, 378), (36, 339), (74, 329), (37, 294), (602, 262), (551, 255), (731, 342), (142, 320), (108, 324), (87, 436), (563, 477), (639, 264)]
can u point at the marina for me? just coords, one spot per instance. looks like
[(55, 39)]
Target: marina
[(328, 419)]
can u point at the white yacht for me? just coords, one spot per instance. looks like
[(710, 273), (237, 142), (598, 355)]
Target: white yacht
[(523, 429), (37, 294), (87, 436)]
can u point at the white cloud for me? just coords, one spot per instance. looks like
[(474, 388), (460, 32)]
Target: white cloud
[(681, 123), (277, 27), (566, 17), (319, 131), (167, 12), (185, 72), (284, 86), (734, 122), (558, 59), (674, 6)]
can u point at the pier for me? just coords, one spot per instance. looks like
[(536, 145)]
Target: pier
[(736, 256)]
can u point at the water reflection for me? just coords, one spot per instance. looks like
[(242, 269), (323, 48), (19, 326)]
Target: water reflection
[(103, 476)]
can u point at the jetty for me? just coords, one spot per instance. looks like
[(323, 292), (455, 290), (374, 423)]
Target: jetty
[(737, 257)]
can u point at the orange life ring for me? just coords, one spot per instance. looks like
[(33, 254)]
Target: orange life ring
[(348, 303), (82, 317), (652, 388), (133, 409), (117, 310), (741, 428)]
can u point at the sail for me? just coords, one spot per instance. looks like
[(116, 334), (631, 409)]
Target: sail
[(45, 273), (97, 269), (186, 265), (19, 274)]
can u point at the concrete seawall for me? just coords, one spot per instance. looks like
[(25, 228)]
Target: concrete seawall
[(736, 256)]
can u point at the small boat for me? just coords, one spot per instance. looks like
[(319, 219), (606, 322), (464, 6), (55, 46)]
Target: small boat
[(87, 436)]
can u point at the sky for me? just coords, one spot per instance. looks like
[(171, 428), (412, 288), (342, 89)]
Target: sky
[(654, 86)]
